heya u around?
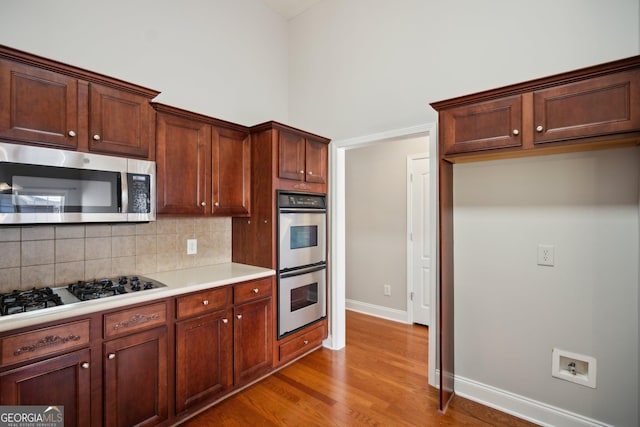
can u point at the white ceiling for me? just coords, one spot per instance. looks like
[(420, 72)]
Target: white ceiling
[(290, 8)]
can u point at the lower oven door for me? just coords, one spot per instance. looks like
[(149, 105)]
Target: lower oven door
[(301, 298)]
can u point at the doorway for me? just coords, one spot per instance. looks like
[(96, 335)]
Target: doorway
[(337, 257)]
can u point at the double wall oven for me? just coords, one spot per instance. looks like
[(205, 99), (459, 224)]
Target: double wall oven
[(302, 260)]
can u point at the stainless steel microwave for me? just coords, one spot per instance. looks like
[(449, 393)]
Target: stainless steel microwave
[(45, 185)]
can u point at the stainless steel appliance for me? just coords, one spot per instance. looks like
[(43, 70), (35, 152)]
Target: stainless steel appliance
[(302, 261), (41, 298), (44, 185)]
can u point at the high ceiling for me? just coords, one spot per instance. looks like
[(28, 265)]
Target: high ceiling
[(290, 8)]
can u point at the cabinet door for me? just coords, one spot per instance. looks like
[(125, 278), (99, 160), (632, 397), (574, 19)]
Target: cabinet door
[(231, 172), (59, 381), (482, 126), (598, 106), (135, 379), (182, 161), (38, 106), (120, 122), (291, 152), (204, 366), (253, 340), (316, 161)]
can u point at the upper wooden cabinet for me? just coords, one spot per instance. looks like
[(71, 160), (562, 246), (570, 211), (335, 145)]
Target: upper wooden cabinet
[(302, 157), (596, 104), (48, 103), (203, 165)]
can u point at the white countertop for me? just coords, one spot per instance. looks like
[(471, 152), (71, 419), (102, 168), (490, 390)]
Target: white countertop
[(178, 282)]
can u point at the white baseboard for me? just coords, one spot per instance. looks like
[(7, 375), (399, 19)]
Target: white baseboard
[(377, 311), (520, 406)]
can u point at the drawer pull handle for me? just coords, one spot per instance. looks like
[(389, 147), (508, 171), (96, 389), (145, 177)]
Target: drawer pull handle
[(205, 302), (111, 356), (306, 342), (72, 133), (255, 290), (225, 320), (539, 129), (239, 316), (85, 365)]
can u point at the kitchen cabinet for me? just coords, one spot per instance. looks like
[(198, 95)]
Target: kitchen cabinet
[(302, 157), (203, 165), (591, 108), (204, 347), (48, 103), (253, 329), (135, 366), (301, 342), (598, 106), (57, 358)]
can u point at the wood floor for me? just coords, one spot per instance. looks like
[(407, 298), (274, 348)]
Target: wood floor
[(378, 379)]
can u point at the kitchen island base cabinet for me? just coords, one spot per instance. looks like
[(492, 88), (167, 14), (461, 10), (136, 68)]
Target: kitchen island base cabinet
[(135, 379), (59, 381)]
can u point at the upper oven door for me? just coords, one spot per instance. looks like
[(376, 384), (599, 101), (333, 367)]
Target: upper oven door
[(303, 239)]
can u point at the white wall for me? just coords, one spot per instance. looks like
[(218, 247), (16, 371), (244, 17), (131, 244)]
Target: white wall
[(227, 59), (510, 312), (359, 67), (376, 221)]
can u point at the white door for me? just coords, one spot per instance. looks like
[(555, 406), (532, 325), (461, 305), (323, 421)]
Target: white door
[(419, 240)]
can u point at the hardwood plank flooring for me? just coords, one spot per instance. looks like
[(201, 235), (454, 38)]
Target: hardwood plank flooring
[(378, 379)]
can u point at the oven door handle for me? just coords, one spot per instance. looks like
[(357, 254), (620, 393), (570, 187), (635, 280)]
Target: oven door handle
[(303, 210), (298, 271)]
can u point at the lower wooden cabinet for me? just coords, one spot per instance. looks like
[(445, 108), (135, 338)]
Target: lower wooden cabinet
[(204, 364), (59, 381), (299, 343), (135, 379), (253, 340)]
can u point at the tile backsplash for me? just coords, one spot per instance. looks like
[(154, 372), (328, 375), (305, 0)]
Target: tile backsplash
[(56, 255)]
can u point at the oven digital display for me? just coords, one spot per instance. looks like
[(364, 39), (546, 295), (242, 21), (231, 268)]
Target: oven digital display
[(304, 236)]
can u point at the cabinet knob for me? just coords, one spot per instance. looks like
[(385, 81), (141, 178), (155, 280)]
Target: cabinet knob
[(203, 203), (72, 133), (516, 132), (309, 173), (216, 204), (539, 129), (239, 316), (225, 320), (306, 342), (205, 302), (255, 290), (96, 137), (111, 356), (302, 172), (84, 365)]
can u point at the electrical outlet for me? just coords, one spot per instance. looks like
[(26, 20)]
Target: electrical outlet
[(546, 255), (192, 246), (387, 290)]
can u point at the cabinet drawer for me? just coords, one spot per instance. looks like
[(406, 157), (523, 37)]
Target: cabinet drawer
[(44, 342), (252, 290), (301, 344), (203, 302), (135, 319)]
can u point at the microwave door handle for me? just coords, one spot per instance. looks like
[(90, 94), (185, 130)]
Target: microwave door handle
[(123, 198)]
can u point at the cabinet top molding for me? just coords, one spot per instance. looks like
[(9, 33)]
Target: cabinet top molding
[(73, 71), (542, 83), (275, 125)]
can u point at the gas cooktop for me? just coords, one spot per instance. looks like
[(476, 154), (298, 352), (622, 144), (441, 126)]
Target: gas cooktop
[(40, 298)]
